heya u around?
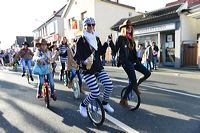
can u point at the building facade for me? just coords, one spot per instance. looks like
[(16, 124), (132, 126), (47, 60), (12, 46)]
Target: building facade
[(105, 13), (174, 31), (52, 29)]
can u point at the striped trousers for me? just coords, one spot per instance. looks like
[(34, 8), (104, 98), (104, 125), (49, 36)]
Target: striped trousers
[(92, 83)]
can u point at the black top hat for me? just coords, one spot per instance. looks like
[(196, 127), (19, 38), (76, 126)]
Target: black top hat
[(126, 23)]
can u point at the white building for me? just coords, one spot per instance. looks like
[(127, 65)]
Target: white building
[(105, 12), (52, 29)]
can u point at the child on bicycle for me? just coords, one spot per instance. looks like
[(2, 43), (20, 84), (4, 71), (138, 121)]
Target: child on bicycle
[(89, 49), (42, 57), (26, 56)]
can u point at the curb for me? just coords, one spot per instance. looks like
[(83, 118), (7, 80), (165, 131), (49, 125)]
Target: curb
[(167, 72)]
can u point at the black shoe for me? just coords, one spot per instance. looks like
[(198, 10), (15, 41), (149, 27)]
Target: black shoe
[(31, 78), (54, 97), (23, 74), (60, 78), (39, 95)]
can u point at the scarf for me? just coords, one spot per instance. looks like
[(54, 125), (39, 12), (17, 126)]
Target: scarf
[(91, 39), (131, 41)]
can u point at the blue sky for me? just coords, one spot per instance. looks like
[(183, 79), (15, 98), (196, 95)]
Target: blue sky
[(21, 17)]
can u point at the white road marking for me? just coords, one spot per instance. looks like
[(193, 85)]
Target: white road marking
[(118, 123), (159, 88)]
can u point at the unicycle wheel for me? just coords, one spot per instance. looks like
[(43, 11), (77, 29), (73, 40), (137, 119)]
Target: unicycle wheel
[(96, 112), (46, 98), (133, 99), (76, 89)]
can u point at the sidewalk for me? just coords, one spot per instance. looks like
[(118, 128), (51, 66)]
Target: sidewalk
[(171, 71), (181, 72)]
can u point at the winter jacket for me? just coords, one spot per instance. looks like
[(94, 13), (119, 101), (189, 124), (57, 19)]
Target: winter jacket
[(25, 54), (125, 53), (84, 51)]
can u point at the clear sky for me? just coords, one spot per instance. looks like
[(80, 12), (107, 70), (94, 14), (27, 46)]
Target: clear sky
[(21, 17)]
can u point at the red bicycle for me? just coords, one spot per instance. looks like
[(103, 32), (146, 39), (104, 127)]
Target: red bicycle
[(46, 93)]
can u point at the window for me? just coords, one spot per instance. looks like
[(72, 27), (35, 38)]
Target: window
[(130, 14), (73, 23), (52, 27), (83, 15)]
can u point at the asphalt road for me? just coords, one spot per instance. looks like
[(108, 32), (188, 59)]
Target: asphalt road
[(170, 104)]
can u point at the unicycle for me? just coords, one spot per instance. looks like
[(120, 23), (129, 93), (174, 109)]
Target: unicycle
[(76, 88), (96, 112), (133, 98), (66, 78)]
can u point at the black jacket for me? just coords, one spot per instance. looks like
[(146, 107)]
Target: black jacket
[(125, 53), (84, 51)]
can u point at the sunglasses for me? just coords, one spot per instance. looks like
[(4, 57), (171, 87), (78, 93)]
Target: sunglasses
[(91, 25)]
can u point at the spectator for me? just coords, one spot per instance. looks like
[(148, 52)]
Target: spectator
[(1, 57), (140, 52), (155, 55), (149, 56)]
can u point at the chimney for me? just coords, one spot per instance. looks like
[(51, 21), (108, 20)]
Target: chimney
[(54, 12)]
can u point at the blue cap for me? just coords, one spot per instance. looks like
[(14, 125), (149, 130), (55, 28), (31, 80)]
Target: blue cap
[(89, 20)]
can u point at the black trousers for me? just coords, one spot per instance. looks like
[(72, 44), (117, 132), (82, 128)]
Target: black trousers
[(130, 68)]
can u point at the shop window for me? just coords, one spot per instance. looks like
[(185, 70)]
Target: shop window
[(170, 48)]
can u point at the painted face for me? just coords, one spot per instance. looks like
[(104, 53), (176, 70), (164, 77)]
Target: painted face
[(43, 46), (90, 28), (55, 47), (129, 29), (64, 40)]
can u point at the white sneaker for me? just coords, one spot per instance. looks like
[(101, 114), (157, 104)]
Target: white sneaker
[(83, 111), (108, 108)]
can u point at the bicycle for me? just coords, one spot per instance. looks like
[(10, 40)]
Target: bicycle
[(96, 112), (46, 92), (15, 64), (133, 98)]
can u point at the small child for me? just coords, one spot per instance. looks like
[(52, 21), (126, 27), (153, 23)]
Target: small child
[(43, 57)]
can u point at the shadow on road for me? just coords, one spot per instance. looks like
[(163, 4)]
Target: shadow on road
[(72, 117), (31, 119), (7, 126)]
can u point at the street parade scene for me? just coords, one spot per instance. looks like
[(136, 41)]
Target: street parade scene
[(100, 66)]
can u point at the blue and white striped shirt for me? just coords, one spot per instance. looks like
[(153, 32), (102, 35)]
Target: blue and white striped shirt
[(62, 49)]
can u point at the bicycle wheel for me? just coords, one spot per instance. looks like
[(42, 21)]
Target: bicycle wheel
[(133, 98), (15, 67), (28, 77), (76, 89), (46, 97), (65, 79), (96, 112)]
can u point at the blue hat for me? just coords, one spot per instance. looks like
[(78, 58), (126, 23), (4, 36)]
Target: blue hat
[(89, 20)]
